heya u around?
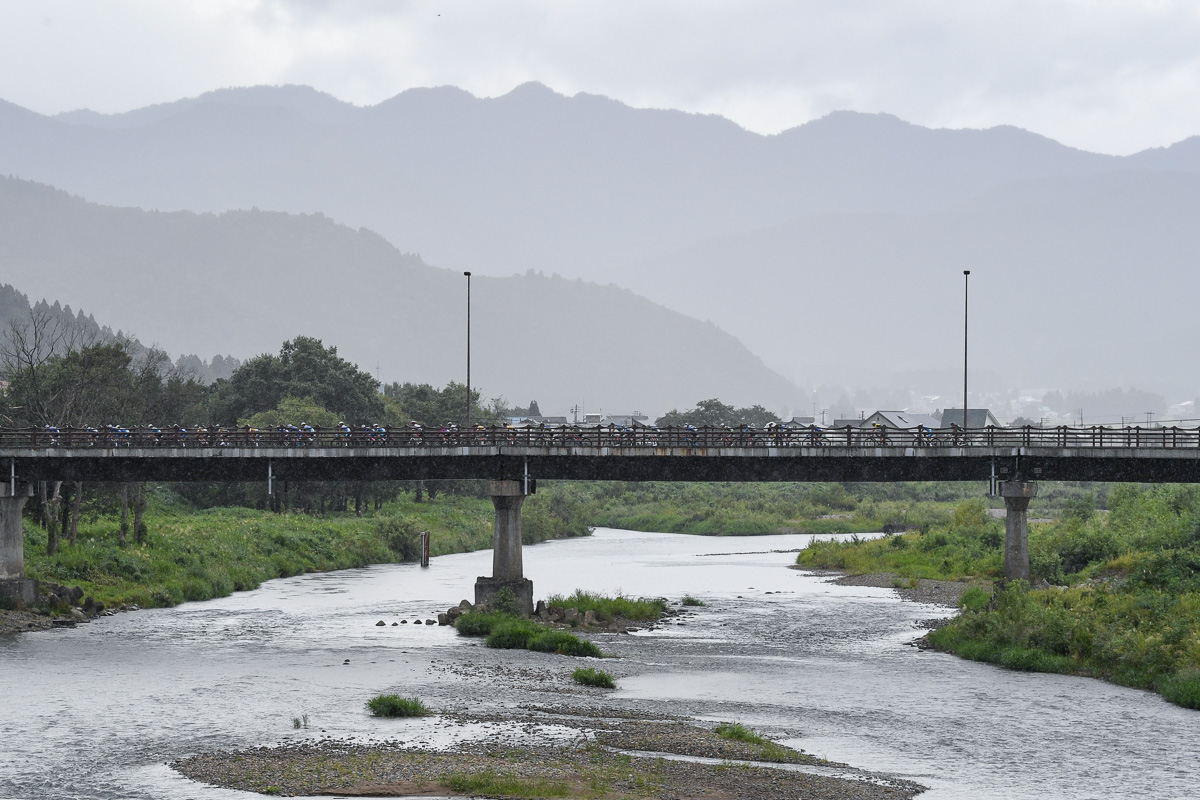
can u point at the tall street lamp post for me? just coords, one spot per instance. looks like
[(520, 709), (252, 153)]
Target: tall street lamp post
[(468, 274), (966, 298)]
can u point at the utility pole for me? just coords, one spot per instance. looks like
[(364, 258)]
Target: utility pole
[(468, 275), (966, 305)]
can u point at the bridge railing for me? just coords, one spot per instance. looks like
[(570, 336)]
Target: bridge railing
[(1096, 436)]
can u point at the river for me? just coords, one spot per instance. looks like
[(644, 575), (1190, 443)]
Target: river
[(99, 711)]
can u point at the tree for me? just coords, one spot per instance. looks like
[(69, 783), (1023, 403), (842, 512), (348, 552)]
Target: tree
[(436, 407), (62, 377), (713, 413), (303, 368), (293, 411)]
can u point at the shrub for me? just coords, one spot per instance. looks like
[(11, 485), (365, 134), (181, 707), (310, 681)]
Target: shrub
[(393, 705), (1182, 688), (512, 634), (642, 609), (974, 599), (401, 534), (688, 600), (479, 623), (564, 644), (594, 677)]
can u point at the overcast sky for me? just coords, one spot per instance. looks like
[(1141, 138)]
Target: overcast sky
[(1113, 76)]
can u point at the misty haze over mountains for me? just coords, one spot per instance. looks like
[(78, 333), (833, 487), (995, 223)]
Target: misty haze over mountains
[(244, 281), (833, 250)]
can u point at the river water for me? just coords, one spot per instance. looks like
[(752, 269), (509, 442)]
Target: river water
[(100, 710)]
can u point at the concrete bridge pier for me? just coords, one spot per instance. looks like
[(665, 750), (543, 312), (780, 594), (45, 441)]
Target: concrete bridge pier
[(507, 569), (14, 586), (1017, 495)]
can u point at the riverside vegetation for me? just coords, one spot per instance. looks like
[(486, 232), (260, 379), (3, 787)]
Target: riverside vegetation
[(1115, 594), (190, 554)]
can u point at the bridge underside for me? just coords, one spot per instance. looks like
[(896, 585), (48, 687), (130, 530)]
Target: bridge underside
[(791, 464)]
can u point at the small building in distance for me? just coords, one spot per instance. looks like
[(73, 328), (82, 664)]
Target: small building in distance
[(899, 419), (531, 422), (976, 418), (799, 422), (625, 420), (847, 423)]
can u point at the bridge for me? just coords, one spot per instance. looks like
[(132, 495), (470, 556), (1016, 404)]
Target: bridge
[(512, 459)]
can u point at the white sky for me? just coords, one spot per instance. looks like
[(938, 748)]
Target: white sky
[(1113, 76)]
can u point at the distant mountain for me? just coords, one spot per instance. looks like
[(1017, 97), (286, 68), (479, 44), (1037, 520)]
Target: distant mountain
[(833, 250), (530, 180), (1087, 282), (243, 282)]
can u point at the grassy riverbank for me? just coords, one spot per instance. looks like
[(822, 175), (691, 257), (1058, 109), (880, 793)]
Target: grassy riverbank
[(192, 554), (750, 509), (1117, 597)]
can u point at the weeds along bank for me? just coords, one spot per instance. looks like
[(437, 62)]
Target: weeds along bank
[(731, 509), (1115, 595), (193, 552), (198, 554)]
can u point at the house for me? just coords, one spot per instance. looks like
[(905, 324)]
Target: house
[(625, 420), (899, 419), (534, 422), (799, 422), (976, 418), (847, 423)]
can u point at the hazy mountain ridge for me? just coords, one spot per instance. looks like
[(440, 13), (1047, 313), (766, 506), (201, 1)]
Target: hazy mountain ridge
[(598, 182), (244, 281), (812, 246), (1076, 283)]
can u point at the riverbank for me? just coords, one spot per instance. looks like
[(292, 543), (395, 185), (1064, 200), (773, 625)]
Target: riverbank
[(916, 590), (1114, 596), (190, 554)]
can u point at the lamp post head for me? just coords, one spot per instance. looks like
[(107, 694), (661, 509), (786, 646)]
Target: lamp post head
[(965, 272), (468, 274)]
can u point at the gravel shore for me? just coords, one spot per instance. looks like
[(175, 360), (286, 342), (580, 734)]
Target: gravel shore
[(917, 590), (593, 766), (518, 720)]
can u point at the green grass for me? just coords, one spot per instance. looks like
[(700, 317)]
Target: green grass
[(1182, 688), (974, 599), (688, 600), (513, 634), (738, 733), (506, 632), (393, 705), (192, 554), (563, 644), (767, 750), (480, 623), (594, 677), (604, 607), (489, 783)]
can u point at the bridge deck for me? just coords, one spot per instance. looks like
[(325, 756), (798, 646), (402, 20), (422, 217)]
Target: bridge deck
[(1157, 464)]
